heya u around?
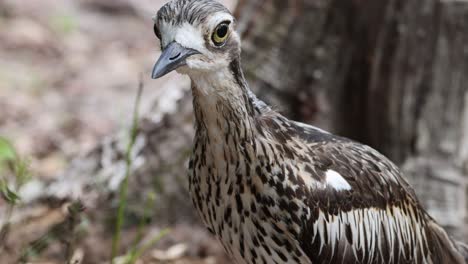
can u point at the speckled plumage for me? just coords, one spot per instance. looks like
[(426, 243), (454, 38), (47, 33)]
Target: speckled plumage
[(277, 191)]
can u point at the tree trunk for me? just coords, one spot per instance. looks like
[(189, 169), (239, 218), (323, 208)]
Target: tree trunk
[(392, 74)]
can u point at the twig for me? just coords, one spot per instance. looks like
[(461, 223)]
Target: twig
[(73, 220)]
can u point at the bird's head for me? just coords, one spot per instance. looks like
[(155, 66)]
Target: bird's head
[(197, 36)]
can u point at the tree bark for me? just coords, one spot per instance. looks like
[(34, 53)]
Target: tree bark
[(392, 74)]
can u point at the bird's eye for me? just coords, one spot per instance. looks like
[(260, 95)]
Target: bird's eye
[(221, 33), (156, 31)]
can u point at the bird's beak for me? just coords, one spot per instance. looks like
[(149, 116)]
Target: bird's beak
[(173, 57)]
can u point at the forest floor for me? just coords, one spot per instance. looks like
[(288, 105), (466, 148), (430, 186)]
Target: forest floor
[(68, 76)]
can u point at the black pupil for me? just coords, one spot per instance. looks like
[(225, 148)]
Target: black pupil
[(222, 31)]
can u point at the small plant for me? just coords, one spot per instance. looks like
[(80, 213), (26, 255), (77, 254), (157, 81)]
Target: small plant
[(14, 173), (137, 249), (124, 185)]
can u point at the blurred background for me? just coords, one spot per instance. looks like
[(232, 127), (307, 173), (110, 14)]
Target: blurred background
[(391, 73)]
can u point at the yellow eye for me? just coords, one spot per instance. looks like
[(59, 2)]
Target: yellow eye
[(220, 34)]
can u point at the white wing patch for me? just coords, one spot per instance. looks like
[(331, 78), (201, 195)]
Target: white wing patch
[(335, 180)]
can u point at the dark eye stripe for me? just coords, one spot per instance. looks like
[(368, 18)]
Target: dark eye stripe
[(156, 31)]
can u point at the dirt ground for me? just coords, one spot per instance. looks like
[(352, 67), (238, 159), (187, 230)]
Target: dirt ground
[(68, 76)]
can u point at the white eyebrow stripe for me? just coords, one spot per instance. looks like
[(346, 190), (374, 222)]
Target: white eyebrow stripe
[(217, 18), (335, 180)]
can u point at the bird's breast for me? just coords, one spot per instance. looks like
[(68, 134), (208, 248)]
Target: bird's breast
[(237, 200)]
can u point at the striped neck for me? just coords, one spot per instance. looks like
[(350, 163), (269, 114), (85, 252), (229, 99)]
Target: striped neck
[(223, 102)]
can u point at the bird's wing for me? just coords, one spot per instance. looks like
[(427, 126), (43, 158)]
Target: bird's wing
[(342, 166), (351, 202), (368, 177), (344, 202), (332, 166)]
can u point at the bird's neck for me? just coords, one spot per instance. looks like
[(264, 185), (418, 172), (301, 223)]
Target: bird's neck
[(223, 104)]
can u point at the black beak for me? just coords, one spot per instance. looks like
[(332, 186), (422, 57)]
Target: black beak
[(173, 57)]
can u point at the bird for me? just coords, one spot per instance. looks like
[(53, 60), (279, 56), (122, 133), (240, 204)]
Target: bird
[(273, 190)]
